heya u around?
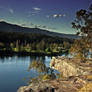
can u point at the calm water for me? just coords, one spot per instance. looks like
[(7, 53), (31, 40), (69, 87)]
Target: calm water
[(13, 70)]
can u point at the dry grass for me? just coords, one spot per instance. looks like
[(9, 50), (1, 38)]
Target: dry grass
[(86, 88), (89, 77)]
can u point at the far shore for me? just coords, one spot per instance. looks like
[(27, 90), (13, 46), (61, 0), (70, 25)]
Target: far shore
[(12, 53)]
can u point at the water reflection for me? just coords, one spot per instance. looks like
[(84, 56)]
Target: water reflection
[(16, 59), (13, 69), (44, 72)]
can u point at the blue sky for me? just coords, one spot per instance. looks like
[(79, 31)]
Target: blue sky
[(55, 15)]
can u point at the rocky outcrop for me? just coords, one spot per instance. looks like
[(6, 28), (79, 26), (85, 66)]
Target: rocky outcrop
[(69, 66), (46, 89), (63, 65), (76, 76), (86, 88), (73, 85)]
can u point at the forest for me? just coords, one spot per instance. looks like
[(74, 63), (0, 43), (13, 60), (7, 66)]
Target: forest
[(32, 43)]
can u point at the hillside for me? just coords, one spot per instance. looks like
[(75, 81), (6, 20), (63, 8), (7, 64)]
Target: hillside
[(7, 27), (17, 39)]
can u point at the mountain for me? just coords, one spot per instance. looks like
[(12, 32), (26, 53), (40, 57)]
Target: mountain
[(7, 27)]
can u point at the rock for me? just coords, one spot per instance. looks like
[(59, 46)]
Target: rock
[(86, 88), (71, 66), (37, 87), (49, 86), (22, 89), (65, 67), (76, 76), (47, 89), (29, 90), (79, 81)]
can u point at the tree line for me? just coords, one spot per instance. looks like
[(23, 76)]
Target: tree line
[(29, 42)]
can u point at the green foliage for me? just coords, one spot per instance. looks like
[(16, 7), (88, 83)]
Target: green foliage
[(15, 49), (32, 43)]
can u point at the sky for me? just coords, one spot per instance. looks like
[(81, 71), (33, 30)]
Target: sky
[(54, 15)]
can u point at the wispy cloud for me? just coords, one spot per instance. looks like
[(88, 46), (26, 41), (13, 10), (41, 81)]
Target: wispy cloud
[(36, 9), (59, 15), (11, 11), (56, 16)]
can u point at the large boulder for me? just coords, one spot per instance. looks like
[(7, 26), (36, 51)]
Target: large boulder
[(65, 67)]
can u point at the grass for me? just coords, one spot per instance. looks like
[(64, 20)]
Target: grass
[(86, 88)]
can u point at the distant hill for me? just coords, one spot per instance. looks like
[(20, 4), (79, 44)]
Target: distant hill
[(7, 27)]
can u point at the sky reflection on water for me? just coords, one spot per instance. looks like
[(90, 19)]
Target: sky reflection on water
[(14, 69)]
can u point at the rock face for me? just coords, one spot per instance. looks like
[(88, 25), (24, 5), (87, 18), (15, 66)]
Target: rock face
[(65, 67), (46, 89), (37, 87), (70, 66), (77, 77), (86, 88), (73, 85)]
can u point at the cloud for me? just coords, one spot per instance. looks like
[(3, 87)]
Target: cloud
[(11, 11), (36, 9), (62, 15), (55, 15), (34, 12), (59, 15)]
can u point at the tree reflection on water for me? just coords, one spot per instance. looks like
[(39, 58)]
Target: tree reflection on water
[(44, 72)]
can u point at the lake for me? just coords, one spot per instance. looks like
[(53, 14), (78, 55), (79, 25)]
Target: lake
[(13, 71)]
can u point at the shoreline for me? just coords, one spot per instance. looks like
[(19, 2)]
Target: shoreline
[(75, 76), (12, 53)]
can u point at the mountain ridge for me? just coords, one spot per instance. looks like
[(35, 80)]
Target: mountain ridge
[(8, 27)]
